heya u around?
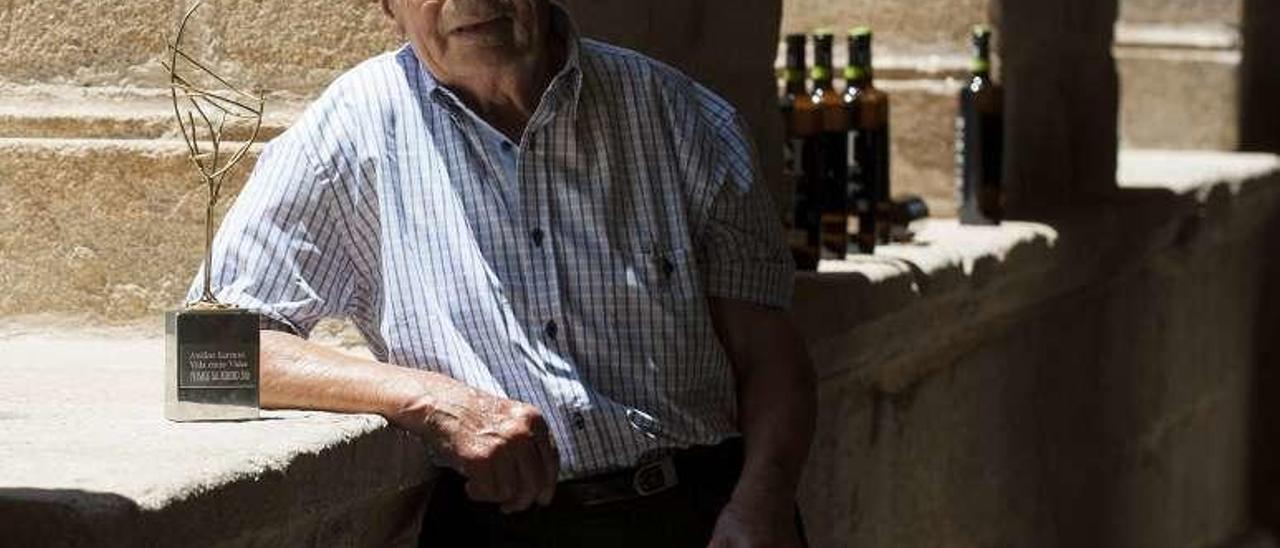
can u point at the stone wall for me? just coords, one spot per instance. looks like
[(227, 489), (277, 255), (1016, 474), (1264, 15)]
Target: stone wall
[(1089, 386)]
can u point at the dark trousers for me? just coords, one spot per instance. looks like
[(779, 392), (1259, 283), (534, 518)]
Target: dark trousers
[(682, 516)]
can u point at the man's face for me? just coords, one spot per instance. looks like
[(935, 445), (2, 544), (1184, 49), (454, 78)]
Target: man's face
[(461, 37)]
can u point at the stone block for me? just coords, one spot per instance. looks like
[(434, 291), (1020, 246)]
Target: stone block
[(97, 470), (294, 46), (1179, 87), (62, 112), (1181, 11), (1179, 99), (83, 42), (114, 229), (918, 27), (922, 161)]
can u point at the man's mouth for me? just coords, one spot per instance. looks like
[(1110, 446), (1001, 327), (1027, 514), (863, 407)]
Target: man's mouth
[(482, 26)]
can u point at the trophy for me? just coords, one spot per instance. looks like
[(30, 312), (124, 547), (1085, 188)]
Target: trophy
[(211, 366)]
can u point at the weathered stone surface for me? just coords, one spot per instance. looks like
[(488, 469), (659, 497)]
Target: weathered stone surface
[(64, 112), (295, 46), (1181, 11), (91, 461), (922, 129), (108, 227), (84, 42), (294, 49), (1179, 87), (927, 26)]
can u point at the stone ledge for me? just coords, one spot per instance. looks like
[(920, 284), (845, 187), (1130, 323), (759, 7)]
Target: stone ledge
[(90, 460), (956, 281), (61, 112)]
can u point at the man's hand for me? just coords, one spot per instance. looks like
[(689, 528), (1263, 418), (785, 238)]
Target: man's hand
[(744, 524), (503, 447)]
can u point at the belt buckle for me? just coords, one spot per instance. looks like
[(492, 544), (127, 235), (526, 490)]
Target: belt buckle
[(655, 477)]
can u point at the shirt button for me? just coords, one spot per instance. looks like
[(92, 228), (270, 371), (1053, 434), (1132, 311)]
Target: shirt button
[(579, 421), (668, 268), (537, 236), (550, 329)]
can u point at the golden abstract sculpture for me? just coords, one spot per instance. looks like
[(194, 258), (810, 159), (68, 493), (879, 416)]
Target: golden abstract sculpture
[(203, 102)]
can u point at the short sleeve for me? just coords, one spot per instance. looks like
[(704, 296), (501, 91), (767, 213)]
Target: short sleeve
[(279, 250), (742, 253)]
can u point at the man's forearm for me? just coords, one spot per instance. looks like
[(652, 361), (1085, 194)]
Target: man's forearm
[(299, 374), (777, 410), (503, 447), (776, 397)]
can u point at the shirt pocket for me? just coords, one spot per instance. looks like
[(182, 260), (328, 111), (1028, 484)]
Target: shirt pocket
[(663, 291), (669, 276)]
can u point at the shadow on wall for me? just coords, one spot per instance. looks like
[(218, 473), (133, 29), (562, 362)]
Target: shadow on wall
[(1260, 77), (1265, 428)]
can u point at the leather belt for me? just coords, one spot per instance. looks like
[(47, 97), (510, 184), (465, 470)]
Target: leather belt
[(654, 476)]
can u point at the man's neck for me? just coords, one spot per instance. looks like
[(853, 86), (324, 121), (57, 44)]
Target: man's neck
[(507, 97)]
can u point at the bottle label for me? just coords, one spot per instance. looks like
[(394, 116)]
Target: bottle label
[(791, 157), (867, 184), (979, 155)]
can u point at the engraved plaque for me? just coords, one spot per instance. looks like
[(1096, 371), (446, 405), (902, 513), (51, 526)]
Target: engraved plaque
[(212, 364)]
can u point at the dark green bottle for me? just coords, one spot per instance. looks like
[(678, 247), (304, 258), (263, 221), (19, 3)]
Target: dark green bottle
[(867, 152), (800, 119), (980, 139), (832, 171)]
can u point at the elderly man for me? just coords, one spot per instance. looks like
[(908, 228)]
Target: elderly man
[(563, 258)]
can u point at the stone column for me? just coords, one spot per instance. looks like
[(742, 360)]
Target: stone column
[(1260, 77), (1061, 101)]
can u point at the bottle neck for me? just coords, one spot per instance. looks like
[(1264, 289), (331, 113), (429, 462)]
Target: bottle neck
[(822, 71), (822, 77), (858, 72), (980, 66), (980, 63), (794, 79), (858, 76), (794, 73)]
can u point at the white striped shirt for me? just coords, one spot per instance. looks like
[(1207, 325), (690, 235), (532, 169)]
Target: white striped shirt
[(580, 288)]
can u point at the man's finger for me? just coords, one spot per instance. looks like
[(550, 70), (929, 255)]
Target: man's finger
[(550, 461), (530, 481), (506, 479), (480, 490)]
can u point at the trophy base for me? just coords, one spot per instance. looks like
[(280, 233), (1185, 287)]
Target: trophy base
[(211, 365)]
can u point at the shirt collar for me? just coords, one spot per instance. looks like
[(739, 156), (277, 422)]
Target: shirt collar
[(569, 76)]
